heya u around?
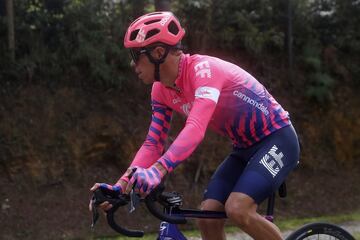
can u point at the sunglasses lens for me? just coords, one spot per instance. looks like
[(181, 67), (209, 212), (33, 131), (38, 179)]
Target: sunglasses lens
[(134, 55)]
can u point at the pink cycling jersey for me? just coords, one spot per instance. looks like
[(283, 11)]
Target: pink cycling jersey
[(213, 93)]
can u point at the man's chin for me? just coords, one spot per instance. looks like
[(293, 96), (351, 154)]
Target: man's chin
[(148, 82)]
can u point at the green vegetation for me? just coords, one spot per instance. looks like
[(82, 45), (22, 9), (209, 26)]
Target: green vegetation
[(80, 42), (73, 42)]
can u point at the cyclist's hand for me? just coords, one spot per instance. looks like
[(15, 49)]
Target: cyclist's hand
[(117, 189), (145, 179), (124, 180)]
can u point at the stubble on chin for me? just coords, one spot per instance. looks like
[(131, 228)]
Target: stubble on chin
[(147, 81)]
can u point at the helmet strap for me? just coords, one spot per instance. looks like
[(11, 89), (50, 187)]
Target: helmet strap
[(157, 72), (157, 63)]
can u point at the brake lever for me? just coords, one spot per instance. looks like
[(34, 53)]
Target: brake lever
[(134, 201), (134, 198), (95, 213)]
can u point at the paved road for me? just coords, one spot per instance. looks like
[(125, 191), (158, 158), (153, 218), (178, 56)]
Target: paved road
[(351, 227)]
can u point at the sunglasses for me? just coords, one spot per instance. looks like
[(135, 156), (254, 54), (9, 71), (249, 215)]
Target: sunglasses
[(135, 54)]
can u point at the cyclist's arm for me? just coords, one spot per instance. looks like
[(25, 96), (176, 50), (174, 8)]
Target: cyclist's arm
[(193, 132), (153, 146)]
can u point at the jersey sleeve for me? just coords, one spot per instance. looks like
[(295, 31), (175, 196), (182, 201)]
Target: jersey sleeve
[(207, 83), (153, 146)]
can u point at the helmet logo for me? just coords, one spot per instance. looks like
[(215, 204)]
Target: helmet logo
[(164, 20), (140, 36)]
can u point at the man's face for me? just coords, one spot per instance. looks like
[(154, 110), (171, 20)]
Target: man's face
[(143, 68)]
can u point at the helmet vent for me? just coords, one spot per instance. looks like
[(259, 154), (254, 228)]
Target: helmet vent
[(152, 21), (173, 28), (134, 34), (152, 33)]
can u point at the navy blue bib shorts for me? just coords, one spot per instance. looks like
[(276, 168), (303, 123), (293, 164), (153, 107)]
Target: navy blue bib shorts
[(256, 171)]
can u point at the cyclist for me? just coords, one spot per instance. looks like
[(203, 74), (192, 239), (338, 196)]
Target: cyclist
[(216, 94)]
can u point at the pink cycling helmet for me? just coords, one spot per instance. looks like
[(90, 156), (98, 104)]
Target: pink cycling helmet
[(154, 27)]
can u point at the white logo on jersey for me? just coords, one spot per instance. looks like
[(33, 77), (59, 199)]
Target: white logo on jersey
[(207, 92), (186, 108), (269, 163), (251, 101), (203, 69), (176, 100)]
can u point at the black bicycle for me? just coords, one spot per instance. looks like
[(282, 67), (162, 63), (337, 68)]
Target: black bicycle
[(166, 206)]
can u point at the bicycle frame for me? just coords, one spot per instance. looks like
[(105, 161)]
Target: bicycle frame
[(170, 231)]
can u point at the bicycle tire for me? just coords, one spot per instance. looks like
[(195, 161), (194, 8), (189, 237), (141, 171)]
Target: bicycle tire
[(321, 231)]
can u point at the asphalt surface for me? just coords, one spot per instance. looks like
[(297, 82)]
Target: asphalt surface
[(351, 227)]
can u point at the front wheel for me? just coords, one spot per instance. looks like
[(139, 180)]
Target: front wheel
[(320, 231)]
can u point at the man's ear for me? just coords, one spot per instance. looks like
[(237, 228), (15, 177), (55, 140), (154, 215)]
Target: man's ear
[(159, 52)]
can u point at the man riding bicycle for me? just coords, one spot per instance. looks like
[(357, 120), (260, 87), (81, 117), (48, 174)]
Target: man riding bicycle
[(216, 94)]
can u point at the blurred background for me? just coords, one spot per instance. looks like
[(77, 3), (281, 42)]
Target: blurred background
[(72, 112)]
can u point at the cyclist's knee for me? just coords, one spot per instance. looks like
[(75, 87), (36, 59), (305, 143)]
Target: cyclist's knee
[(212, 205), (240, 208), (211, 224)]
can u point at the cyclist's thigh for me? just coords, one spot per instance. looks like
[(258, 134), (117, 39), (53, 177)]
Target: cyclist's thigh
[(268, 167), (225, 177)]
